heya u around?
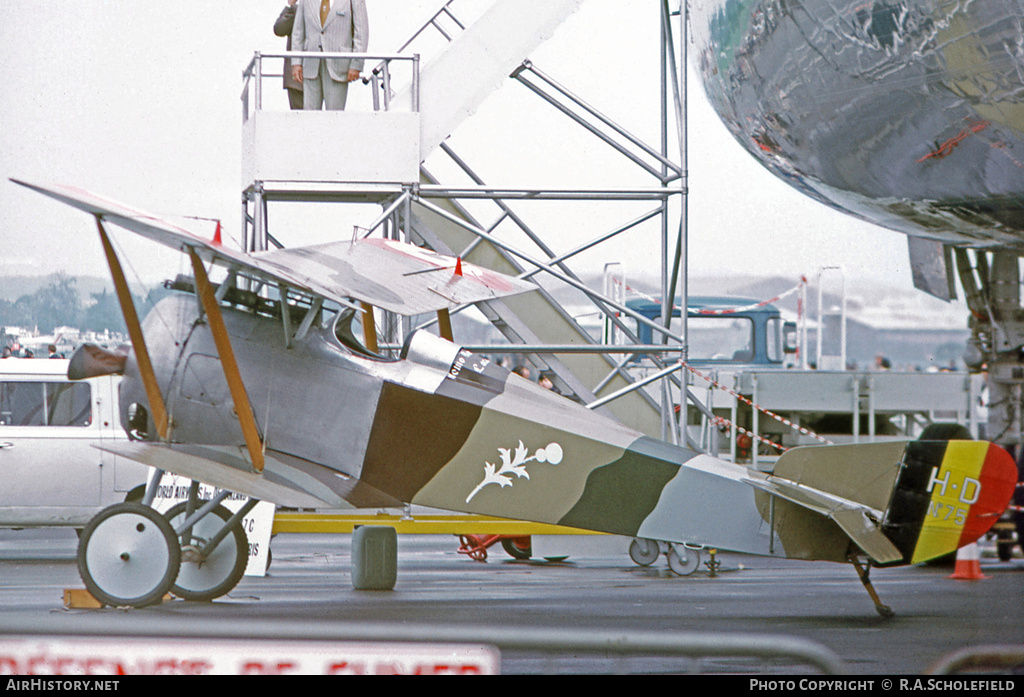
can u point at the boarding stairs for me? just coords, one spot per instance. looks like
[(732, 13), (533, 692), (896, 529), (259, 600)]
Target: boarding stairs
[(496, 46)]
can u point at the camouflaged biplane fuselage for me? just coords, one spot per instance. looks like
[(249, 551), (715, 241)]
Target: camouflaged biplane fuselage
[(450, 429)]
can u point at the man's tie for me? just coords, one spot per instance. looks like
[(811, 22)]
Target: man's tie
[(325, 10)]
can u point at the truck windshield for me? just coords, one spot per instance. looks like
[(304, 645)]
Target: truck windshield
[(775, 328), (718, 338)]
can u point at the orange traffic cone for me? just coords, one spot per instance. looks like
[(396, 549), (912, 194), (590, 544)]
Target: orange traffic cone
[(968, 564)]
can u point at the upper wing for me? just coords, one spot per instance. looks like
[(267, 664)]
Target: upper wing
[(391, 275)]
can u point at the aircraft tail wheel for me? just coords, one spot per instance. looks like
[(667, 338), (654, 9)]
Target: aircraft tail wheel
[(682, 560), (203, 579), (644, 552), (128, 556)]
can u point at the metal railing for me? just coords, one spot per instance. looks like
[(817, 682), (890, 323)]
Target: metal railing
[(1005, 658), (380, 78)]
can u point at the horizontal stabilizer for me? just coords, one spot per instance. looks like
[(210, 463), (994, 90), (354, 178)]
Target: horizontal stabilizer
[(860, 523), (393, 276), (863, 529)]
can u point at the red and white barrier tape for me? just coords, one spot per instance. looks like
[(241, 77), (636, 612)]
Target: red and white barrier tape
[(772, 414), (761, 439)]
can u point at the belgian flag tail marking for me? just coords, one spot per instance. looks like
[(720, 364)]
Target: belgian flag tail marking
[(947, 495)]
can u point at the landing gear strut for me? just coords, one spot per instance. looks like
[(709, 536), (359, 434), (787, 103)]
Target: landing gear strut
[(209, 567), (863, 572)]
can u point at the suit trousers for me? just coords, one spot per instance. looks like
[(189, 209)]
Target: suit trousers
[(324, 92)]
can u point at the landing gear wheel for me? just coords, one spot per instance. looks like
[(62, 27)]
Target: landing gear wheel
[(205, 579), (128, 556), (682, 560), (518, 547), (644, 552)]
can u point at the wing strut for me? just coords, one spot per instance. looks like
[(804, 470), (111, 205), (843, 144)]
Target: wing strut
[(227, 359), (444, 324), (369, 328), (131, 319)]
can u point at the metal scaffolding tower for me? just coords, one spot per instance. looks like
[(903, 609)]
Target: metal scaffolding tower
[(383, 161)]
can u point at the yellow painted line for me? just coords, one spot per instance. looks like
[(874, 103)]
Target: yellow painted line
[(295, 522)]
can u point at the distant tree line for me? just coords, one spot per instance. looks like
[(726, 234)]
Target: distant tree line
[(59, 304)]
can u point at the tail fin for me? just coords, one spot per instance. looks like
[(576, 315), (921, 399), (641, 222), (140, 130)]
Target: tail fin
[(900, 502), (947, 495)]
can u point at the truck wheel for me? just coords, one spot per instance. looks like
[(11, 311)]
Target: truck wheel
[(644, 552)]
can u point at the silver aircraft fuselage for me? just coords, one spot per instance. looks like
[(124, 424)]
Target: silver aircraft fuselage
[(908, 114), (445, 428)]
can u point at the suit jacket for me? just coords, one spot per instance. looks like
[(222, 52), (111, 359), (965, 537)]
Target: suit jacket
[(346, 30), (283, 27)]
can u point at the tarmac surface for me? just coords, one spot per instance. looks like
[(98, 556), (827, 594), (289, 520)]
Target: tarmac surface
[(543, 616)]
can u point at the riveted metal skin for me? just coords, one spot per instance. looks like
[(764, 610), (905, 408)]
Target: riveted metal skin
[(908, 114)]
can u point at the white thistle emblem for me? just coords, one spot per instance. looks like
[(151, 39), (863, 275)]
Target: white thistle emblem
[(515, 464)]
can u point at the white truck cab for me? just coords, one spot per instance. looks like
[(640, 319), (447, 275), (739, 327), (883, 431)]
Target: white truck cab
[(50, 473)]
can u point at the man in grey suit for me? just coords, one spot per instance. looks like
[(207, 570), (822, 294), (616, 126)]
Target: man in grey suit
[(335, 26)]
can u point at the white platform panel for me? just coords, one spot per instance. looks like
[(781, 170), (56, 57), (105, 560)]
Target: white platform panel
[(331, 146)]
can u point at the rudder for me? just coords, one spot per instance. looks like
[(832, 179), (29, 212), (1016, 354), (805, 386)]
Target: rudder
[(947, 495)]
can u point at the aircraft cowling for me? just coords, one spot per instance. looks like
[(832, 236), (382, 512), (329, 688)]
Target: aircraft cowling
[(906, 114), (301, 407)]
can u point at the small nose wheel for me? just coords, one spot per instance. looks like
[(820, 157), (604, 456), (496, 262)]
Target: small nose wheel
[(128, 556)]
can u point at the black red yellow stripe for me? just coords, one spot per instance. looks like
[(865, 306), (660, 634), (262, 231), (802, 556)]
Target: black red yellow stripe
[(947, 495)]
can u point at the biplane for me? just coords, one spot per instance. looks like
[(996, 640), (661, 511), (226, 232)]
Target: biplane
[(274, 396)]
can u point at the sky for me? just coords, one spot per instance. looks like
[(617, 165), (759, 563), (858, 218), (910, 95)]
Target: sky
[(140, 102)]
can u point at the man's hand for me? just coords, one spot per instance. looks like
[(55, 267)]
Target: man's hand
[(297, 73), (353, 75)]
